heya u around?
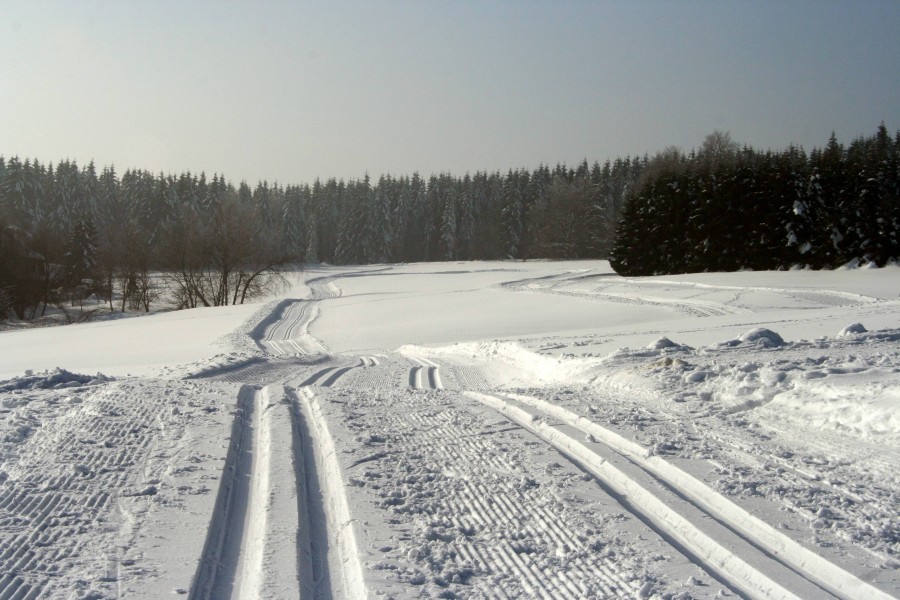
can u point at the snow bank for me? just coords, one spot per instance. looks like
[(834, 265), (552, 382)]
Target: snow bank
[(55, 379), (136, 346), (845, 384), (510, 358), (865, 404), (806, 383)]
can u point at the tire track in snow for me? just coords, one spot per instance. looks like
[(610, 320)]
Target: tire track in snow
[(730, 543), (375, 373)]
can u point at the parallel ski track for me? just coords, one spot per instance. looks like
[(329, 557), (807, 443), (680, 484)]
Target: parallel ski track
[(431, 379), (280, 337), (767, 551), (696, 307), (327, 377), (333, 554), (281, 461), (691, 307), (247, 553), (315, 377), (333, 377), (812, 296), (283, 337), (288, 322), (415, 378), (374, 374)]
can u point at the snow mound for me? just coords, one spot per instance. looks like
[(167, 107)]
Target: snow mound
[(55, 379), (853, 329), (763, 337), (664, 343), (759, 337)]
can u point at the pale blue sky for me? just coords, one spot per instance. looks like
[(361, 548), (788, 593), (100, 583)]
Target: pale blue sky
[(291, 91)]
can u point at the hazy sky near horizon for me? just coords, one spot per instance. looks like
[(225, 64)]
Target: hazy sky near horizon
[(291, 91)]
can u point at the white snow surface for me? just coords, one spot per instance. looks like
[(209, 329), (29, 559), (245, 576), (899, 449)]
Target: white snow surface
[(465, 430)]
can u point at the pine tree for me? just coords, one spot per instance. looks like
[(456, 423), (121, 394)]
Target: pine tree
[(312, 245), (401, 219), (15, 204), (448, 227), (379, 222), (294, 228), (465, 213), (512, 217)]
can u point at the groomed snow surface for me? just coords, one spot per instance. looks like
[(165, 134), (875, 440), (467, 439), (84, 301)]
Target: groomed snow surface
[(465, 430)]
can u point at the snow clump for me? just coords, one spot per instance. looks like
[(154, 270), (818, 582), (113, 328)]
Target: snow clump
[(55, 379), (762, 337), (664, 343), (853, 329)]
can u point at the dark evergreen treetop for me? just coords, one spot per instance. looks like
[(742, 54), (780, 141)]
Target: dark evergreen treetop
[(763, 210)]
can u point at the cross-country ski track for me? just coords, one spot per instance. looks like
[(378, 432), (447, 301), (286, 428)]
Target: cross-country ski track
[(280, 463), (469, 470)]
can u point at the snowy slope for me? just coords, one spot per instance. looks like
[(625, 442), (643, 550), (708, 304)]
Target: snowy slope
[(508, 429)]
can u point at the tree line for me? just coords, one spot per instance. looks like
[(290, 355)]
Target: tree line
[(67, 232), (725, 208)]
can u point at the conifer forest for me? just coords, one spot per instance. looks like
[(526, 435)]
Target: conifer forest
[(68, 231)]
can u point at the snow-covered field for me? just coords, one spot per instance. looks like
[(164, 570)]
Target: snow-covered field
[(470, 430)]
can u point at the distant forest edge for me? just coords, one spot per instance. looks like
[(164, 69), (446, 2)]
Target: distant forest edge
[(69, 231), (727, 208)]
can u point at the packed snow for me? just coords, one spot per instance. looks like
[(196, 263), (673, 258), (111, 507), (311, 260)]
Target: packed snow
[(464, 430)]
